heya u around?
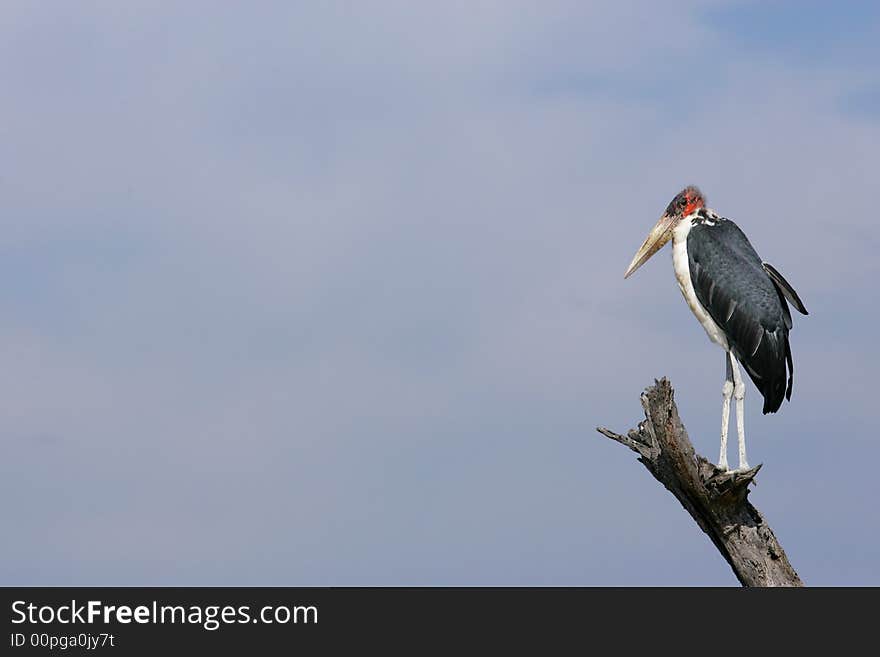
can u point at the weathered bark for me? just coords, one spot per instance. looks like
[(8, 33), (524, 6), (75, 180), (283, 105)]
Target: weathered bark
[(716, 500)]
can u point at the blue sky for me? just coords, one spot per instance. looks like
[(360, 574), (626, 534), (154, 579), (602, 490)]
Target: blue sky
[(307, 294)]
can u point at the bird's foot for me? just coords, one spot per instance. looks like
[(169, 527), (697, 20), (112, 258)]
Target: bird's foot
[(726, 469)]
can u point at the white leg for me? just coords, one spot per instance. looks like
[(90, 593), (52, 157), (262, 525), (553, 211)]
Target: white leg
[(739, 393), (726, 393)]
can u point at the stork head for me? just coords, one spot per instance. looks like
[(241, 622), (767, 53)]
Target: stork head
[(685, 203)]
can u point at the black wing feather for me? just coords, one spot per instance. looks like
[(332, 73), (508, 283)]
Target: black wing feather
[(747, 303), (785, 288)]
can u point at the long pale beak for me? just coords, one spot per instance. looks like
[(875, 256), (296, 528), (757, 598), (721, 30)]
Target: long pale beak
[(659, 235)]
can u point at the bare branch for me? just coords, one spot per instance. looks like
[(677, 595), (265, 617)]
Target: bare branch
[(717, 501)]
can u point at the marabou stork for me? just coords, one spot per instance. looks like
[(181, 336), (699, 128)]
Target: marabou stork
[(739, 299)]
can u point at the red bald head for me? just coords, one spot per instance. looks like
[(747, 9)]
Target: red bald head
[(688, 200)]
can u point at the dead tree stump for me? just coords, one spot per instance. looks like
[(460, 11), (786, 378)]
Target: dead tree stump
[(717, 500)]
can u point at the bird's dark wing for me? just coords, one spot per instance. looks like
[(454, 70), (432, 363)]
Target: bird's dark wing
[(731, 283)]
